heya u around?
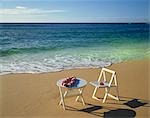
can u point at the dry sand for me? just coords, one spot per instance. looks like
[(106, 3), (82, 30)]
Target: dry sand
[(37, 96)]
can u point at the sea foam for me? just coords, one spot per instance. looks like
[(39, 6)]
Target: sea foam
[(51, 64)]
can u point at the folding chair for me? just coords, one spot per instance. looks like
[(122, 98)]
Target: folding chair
[(106, 83)]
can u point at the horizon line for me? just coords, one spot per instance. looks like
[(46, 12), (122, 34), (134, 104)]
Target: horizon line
[(72, 22)]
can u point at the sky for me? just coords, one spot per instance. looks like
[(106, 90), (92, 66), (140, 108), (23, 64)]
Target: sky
[(74, 11)]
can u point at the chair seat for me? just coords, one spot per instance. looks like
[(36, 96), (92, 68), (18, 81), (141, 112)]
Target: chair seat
[(97, 84)]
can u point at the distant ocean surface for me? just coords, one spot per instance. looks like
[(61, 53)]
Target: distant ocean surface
[(37, 48)]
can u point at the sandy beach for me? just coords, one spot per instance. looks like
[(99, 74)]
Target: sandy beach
[(37, 96)]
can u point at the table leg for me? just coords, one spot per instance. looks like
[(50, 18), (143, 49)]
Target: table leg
[(80, 96), (62, 98)]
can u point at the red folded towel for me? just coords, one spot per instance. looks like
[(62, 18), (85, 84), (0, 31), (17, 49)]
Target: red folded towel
[(69, 81)]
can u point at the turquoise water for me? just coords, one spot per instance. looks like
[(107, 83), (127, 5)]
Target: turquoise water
[(34, 48)]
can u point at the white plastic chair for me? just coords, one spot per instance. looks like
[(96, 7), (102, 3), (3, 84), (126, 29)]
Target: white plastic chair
[(107, 84)]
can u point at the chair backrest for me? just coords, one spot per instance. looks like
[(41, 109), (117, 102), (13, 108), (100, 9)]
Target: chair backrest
[(111, 79)]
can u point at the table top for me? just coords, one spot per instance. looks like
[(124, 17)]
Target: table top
[(80, 83)]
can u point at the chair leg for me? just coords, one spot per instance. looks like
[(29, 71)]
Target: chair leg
[(117, 92), (60, 102), (77, 98), (105, 97), (116, 97), (112, 96), (94, 94), (106, 94), (95, 90)]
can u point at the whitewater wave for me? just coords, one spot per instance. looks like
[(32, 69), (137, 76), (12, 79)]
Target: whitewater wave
[(41, 65)]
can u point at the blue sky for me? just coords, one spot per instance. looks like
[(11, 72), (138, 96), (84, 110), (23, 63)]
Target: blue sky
[(74, 11)]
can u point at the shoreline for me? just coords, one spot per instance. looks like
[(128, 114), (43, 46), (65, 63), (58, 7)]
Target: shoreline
[(37, 96), (67, 69)]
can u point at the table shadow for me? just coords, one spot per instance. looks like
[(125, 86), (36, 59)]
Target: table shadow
[(120, 113)]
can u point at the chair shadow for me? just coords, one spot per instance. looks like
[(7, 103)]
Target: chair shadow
[(132, 102), (93, 110), (135, 103), (129, 98)]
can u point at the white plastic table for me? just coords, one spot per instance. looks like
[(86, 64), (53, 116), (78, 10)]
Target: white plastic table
[(75, 90)]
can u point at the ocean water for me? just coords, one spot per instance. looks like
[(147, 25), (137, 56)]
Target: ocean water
[(37, 48)]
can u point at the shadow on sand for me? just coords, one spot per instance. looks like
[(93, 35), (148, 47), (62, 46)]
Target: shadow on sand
[(113, 112), (93, 110), (135, 103), (120, 113), (132, 102), (90, 109)]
